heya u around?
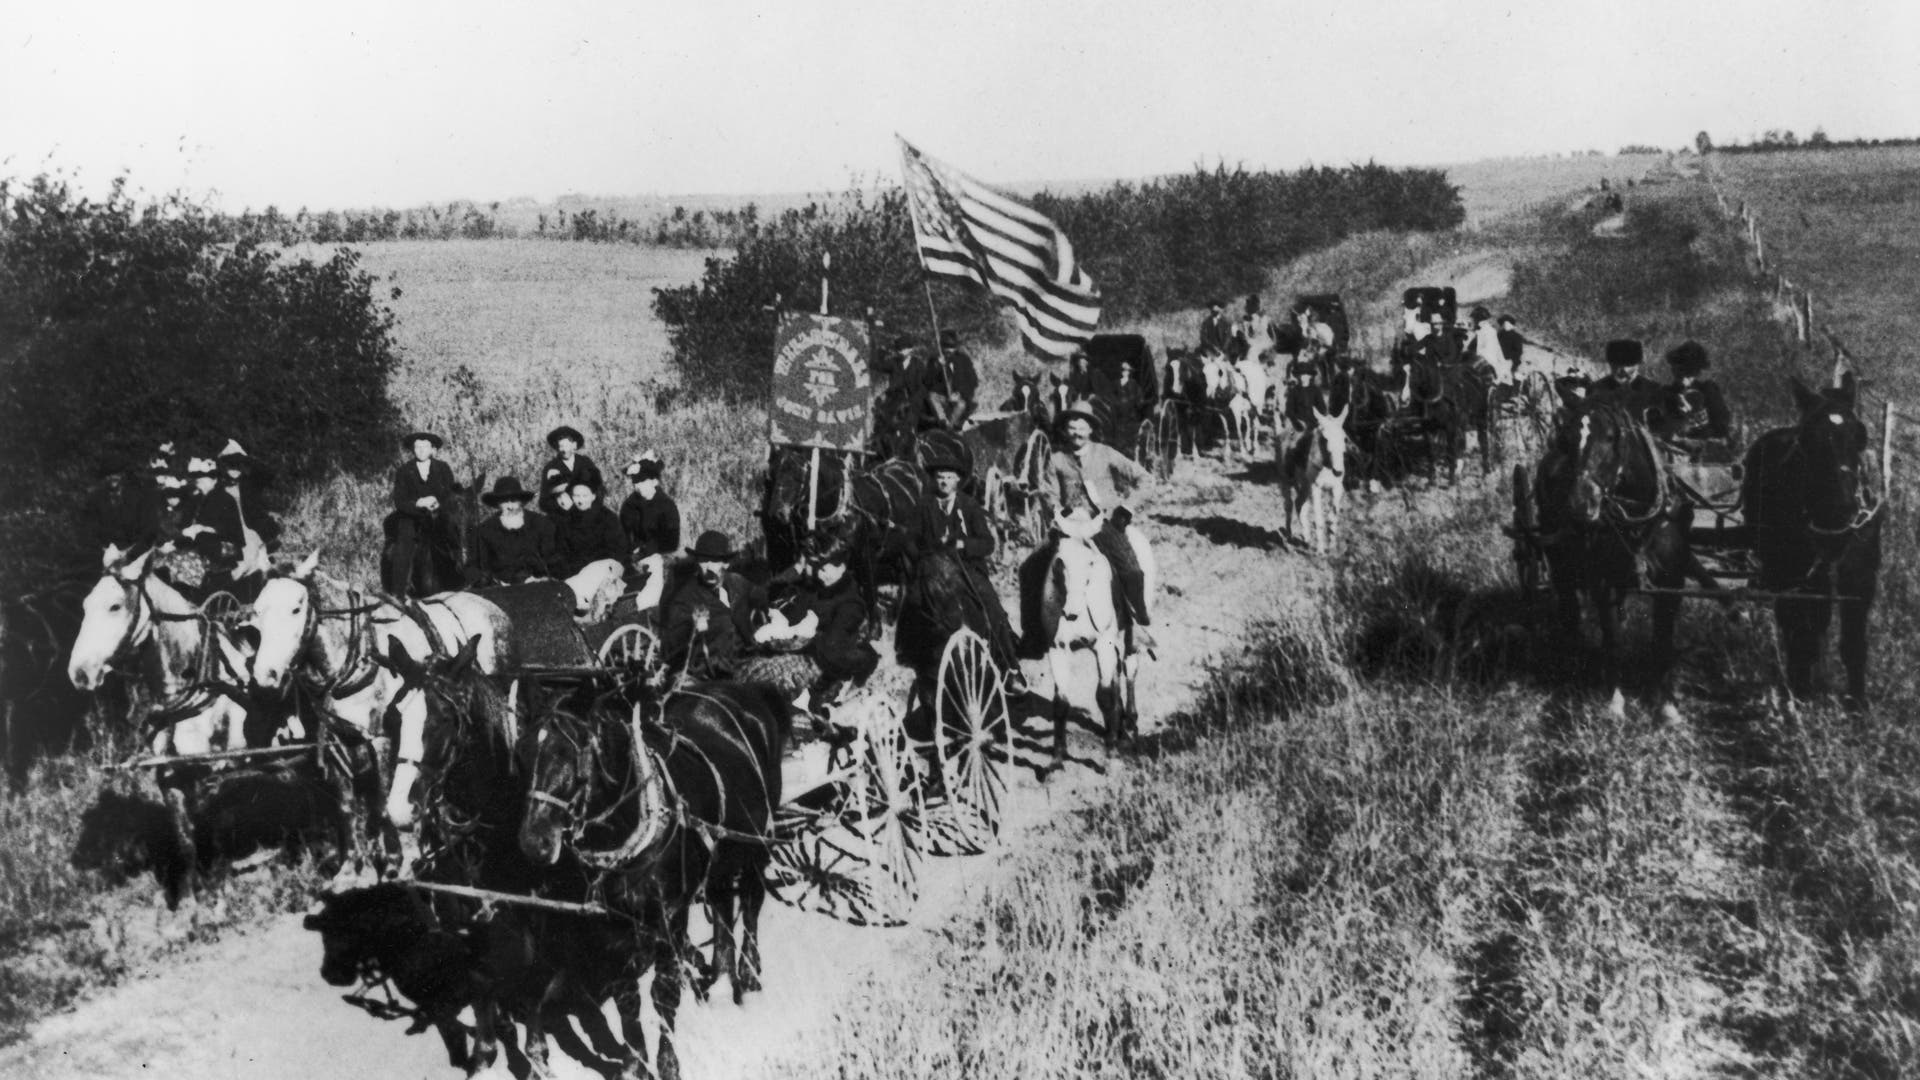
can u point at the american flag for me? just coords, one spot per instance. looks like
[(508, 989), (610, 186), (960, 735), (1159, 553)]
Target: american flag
[(966, 229)]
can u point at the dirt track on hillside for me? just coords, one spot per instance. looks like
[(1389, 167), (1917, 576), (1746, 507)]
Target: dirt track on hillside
[(254, 1005)]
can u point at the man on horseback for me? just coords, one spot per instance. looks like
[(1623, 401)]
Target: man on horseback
[(710, 616), (1693, 414), (420, 529), (951, 384), (1092, 477), (513, 547), (950, 520)]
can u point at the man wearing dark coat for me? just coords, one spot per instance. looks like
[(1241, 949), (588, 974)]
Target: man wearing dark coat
[(512, 547), (420, 527), (568, 467), (951, 385), (1624, 385), (950, 520), (1512, 344), (247, 480), (1216, 330), (710, 617), (649, 517)]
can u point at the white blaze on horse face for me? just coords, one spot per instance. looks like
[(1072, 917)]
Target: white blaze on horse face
[(1586, 432), (280, 618), (106, 621), (1333, 431)]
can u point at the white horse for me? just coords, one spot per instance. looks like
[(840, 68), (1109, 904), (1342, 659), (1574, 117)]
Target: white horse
[(1313, 471), (1083, 622), (135, 623), (1251, 383), (332, 636)]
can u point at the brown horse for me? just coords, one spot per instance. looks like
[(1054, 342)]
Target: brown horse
[(1604, 504), (1448, 400), (1816, 532), (867, 508)]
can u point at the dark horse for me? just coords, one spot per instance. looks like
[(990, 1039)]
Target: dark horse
[(475, 774), (944, 595), (1604, 503), (868, 509), (1816, 531), (1449, 400), (650, 811)]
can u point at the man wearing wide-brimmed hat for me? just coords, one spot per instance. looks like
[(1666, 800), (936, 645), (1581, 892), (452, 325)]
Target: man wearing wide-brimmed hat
[(950, 520), (1087, 476), (421, 546), (246, 479), (950, 385), (1693, 410), (568, 467), (513, 546), (1216, 330), (711, 615)]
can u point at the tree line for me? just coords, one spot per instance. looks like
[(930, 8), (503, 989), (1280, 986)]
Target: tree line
[(1156, 246)]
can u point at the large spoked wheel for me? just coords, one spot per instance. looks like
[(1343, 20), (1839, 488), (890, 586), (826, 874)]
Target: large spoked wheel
[(1527, 557), (1168, 438), (851, 845), (224, 608), (632, 647), (972, 731)]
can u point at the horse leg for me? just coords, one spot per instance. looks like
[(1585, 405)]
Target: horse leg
[(720, 908), (1853, 650), (666, 995), (1803, 625), (753, 896), (626, 1003)]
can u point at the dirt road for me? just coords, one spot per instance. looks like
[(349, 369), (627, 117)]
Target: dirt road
[(254, 1005)]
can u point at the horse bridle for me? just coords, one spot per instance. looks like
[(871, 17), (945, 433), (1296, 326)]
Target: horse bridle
[(1867, 507), (146, 617), (1612, 505), (360, 619)]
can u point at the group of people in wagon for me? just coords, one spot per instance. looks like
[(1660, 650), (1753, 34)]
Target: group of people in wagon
[(203, 510)]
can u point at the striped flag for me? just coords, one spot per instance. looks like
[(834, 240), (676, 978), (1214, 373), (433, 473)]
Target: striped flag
[(966, 229)]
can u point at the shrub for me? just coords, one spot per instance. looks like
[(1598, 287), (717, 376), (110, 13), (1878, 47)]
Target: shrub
[(126, 324)]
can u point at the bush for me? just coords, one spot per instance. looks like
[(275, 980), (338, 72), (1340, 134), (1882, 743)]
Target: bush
[(722, 330), (126, 324)]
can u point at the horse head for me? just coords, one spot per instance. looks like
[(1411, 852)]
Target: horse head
[(115, 617), (470, 738), (285, 616), (1080, 583), (591, 775), (1833, 440), (1613, 461)]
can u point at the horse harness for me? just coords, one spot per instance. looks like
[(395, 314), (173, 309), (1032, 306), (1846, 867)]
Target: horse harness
[(195, 696)]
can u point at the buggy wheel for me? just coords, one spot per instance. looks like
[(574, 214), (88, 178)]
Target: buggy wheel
[(855, 855), (224, 608), (971, 734), (1527, 556), (630, 647)]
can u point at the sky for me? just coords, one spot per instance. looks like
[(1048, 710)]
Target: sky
[(396, 103)]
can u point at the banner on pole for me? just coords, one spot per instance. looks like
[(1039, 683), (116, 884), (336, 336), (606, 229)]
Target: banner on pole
[(820, 383)]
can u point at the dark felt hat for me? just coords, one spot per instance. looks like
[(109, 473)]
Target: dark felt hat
[(1080, 410), (1624, 352), (712, 546), (823, 548), (1481, 314), (506, 489), (645, 467), (1688, 358), (904, 341), (565, 432), (1253, 302), (949, 339), (407, 440), (945, 461), (1216, 302)]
